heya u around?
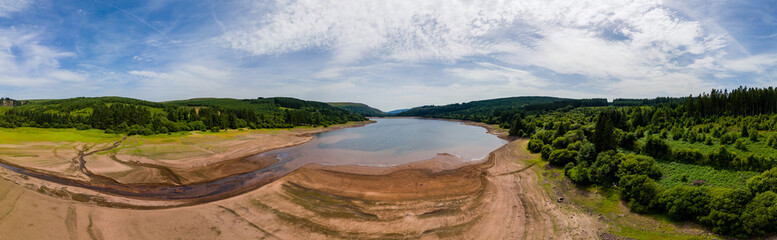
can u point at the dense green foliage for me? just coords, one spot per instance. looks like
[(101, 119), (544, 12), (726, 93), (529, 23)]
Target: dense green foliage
[(499, 110), (709, 158), (132, 116), (359, 108)]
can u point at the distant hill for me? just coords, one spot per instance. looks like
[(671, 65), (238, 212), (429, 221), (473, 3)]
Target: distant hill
[(133, 116), (500, 109), (398, 111), (359, 108)]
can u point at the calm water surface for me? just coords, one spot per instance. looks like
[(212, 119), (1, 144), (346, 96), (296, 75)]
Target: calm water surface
[(391, 142), (385, 143)]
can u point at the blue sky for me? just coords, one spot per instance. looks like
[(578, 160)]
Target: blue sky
[(388, 54)]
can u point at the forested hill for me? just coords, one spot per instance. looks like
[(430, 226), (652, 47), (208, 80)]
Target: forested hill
[(133, 116), (501, 109), (359, 108)]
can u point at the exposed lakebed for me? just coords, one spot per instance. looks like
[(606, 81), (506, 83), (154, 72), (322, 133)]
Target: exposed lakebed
[(387, 142)]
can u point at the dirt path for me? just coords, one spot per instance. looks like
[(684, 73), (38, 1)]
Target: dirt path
[(519, 207)]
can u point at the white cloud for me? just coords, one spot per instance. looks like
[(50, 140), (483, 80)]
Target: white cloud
[(491, 74), (148, 74), (606, 42), (24, 62), (757, 63), (11, 6)]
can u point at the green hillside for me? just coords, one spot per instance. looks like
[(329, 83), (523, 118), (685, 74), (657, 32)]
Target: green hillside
[(133, 116), (359, 108), (500, 109)]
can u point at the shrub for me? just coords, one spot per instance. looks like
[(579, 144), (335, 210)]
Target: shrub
[(560, 143), (638, 191), (587, 153), (766, 181), (726, 207), (638, 165), (760, 215), (740, 144), (545, 153), (684, 202), (535, 145), (561, 157), (721, 157), (688, 155), (579, 174), (657, 148), (604, 169), (754, 135), (628, 140), (728, 138), (772, 141)]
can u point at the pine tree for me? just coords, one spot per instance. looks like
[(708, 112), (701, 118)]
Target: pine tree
[(604, 137), (517, 126)]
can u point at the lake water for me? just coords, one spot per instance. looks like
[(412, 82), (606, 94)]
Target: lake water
[(391, 141), (384, 143)]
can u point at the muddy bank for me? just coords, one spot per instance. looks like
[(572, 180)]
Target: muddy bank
[(497, 199), (180, 186)]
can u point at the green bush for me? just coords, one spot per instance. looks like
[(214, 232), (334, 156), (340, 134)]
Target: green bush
[(721, 157), (726, 207), (535, 145), (604, 169), (740, 144), (638, 165), (561, 157), (684, 202), (657, 148), (688, 155), (638, 191), (760, 215), (766, 181), (545, 153)]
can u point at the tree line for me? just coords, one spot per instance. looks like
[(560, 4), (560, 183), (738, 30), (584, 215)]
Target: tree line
[(617, 147), (131, 116)]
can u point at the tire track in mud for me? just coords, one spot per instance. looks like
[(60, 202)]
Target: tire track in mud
[(241, 218)]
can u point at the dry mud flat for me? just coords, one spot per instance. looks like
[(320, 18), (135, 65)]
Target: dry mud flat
[(498, 199)]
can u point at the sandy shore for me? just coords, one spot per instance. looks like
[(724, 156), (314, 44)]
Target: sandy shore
[(495, 199), (498, 198)]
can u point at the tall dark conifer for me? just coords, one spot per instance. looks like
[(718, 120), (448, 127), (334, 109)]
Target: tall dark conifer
[(604, 137), (517, 125)]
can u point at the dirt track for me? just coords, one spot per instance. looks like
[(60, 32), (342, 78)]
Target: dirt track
[(499, 199)]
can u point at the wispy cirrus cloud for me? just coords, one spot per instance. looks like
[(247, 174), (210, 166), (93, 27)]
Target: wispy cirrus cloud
[(389, 54), (10, 6), (605, 43), (25, 62)]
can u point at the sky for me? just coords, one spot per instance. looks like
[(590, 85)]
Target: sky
[(388, 54)]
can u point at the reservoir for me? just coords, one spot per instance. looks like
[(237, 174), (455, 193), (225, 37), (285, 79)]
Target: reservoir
[(391, 141), (387, 142)]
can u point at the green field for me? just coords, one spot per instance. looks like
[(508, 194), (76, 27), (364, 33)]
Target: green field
[(758, 147), (674, 171), (25, 134)]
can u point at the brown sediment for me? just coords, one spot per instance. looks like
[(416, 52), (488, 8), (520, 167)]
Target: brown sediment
[(223, 179), (494, 199), (237, 176)]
